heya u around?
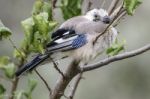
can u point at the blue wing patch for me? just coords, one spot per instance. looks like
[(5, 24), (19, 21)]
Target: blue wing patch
[(79, 41)]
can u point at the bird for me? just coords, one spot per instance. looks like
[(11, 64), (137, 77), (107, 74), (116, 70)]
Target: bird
[(75, 37)]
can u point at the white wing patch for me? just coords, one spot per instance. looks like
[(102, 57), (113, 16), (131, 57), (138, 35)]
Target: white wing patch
[(61, 40), (66, 33)]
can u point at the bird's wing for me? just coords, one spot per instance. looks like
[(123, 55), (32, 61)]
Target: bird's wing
[(63, 43), (61, 32), (68, 27), (67, 42)]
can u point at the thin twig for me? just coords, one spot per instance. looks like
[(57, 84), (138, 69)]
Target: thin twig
[(44, 81), (89, 5), (74, 87), (15, 81), (54, 3), (62, 83), (56, 67), (121, 16), (116, 16), (118, 10), (12, 43), (14, 87), (103, 3), (14, 46), (116, 58), (113, 6)]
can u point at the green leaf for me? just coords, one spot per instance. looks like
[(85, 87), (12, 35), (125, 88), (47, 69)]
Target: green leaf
[(48, 9), (24, 45), (52, 25), (64, 2), (41, 23), (4, 60), (4, 31), (40, 48), (19, 54), (2, 89), (7, 66), (41, 36), (27, 25), (71, 8), (37, 7), (40, 6), (131, 5), (37, 28), (10, 70), (115, 48), (18, 94), (32, 83)]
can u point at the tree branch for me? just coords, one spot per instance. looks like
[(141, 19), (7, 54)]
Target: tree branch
[(118, 10), (54, 3), (56, 67), (62, 83), (89, 6), (103, 3), (53, 6), (74, 87), (15, 81), (14, 46), (116, 58), (113, 6), (121, 16), (73, 69), (44, 81)]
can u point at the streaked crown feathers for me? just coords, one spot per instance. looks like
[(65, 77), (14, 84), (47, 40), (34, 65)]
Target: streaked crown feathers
[(96, 12)]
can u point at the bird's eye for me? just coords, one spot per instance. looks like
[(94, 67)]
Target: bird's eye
[(95, 15)]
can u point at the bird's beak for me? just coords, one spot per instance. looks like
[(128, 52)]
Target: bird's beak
[(106, 19)]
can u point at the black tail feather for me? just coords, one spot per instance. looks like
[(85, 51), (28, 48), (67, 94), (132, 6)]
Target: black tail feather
[(32, 64)]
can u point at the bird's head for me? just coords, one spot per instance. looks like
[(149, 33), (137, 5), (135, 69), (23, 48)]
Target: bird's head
[(93, 15), (98, 15), (104, 16)]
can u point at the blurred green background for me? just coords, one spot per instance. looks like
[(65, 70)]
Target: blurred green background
[(127, 79)]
